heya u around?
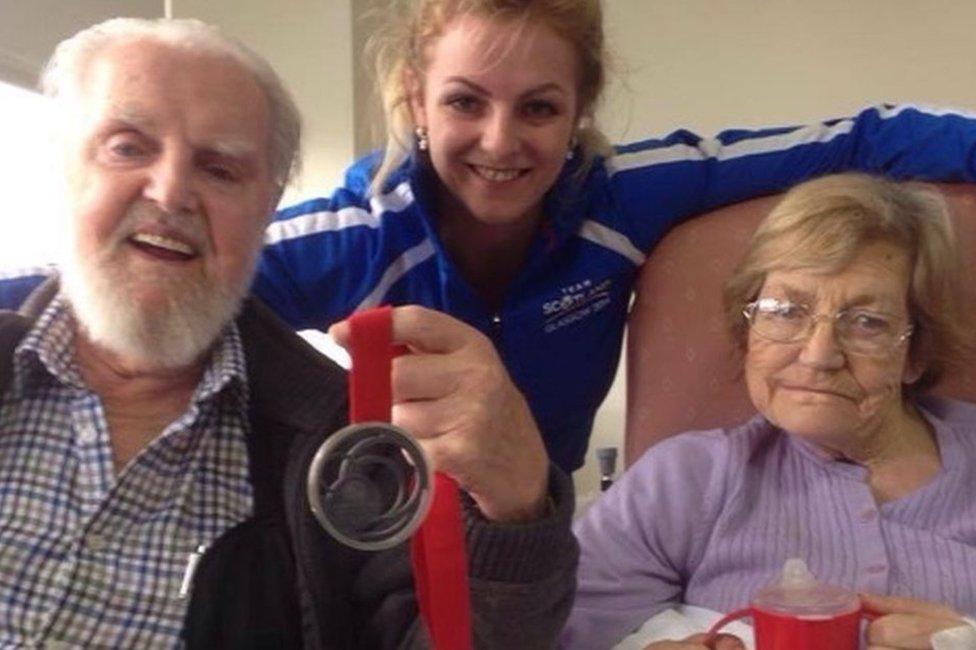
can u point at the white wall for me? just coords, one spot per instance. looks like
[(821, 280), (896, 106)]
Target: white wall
[(712, 64), (309, 43), (29, 30)]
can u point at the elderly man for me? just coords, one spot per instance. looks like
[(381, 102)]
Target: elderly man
[(156, 424)]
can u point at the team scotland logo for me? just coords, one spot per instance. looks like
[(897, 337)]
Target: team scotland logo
[(574, 303)]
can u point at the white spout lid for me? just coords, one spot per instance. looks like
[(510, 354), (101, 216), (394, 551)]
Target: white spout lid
[(796, 592)]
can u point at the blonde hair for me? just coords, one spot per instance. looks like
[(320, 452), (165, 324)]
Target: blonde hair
[(824, 223), (398, 48), (64, 73)]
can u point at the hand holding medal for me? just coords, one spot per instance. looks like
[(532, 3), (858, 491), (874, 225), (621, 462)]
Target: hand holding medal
[(451, 398)]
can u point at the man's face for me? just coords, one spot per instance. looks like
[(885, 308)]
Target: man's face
[(170, 188)]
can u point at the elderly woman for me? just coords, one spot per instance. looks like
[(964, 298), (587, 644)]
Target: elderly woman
[(848, 305)]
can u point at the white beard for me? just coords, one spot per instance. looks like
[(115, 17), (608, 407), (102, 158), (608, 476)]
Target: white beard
[(172, 333)]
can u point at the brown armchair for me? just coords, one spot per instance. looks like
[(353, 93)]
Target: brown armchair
[(682, 373)]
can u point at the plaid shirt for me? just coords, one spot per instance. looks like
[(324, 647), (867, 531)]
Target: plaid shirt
[(90, 558)]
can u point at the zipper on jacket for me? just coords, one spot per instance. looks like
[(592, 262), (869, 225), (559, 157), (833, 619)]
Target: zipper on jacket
[(496, 327)]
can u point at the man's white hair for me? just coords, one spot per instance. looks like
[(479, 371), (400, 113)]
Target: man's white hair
[(63, 76)]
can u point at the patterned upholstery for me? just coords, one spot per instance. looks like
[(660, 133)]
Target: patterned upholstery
[(682, 372)]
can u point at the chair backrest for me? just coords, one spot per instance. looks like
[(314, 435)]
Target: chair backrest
[(682, 373)]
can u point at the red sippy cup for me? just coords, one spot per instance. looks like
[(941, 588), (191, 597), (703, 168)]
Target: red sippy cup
[(798, 613)]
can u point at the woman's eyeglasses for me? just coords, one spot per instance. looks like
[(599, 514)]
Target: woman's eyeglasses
[(858, 331)]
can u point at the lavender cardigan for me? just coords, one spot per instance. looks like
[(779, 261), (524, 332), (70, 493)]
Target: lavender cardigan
[(707, 518)]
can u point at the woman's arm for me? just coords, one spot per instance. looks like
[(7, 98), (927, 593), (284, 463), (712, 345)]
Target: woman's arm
[(657, 183), (641, 541), (324, 258)]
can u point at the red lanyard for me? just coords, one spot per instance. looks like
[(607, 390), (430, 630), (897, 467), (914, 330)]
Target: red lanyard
[(440, 568)]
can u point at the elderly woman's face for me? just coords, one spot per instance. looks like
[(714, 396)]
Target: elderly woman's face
[(814, 388)]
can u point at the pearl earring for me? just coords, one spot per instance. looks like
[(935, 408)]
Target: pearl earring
[(573, 143), (422, 141)]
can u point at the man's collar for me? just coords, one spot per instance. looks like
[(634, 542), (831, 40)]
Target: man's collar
[(286, 377), (225, 369), (49, 346), (47, 350)]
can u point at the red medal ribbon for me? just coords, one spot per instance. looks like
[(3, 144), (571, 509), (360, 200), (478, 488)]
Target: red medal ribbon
[(437, 553)]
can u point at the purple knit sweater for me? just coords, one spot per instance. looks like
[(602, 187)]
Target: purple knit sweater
[(707, 518)]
